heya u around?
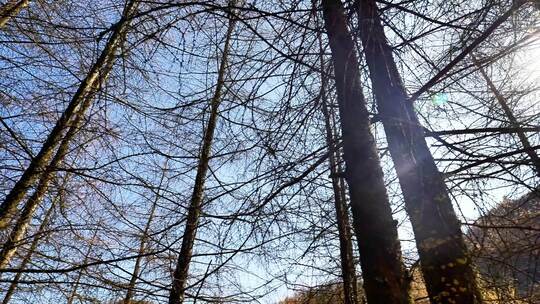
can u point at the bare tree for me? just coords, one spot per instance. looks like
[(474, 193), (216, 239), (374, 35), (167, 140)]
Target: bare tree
[(445, 263), (33, 246), (91, 81), (273, 218), (144, 238), (348, 269), (385, 277), (181, 272), (514, 123)]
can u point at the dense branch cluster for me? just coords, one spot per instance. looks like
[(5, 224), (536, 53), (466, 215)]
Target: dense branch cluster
[(275, 151)]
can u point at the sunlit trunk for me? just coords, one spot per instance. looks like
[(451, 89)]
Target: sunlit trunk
[(87, 87), (21, 225), (445, 263), (11, 9), (27, 258)]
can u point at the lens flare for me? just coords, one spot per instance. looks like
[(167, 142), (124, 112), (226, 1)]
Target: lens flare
[(439, 99)]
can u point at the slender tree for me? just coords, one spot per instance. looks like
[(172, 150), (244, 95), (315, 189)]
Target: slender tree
[(32, 248), (143, 244), (182, 266), (274, 219), (348, 273), (385, 277), (74, 293), (21, 225), (514, 123)]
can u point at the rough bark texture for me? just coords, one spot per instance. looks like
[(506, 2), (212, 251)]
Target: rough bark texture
[(445, 263), (348, 273), (11, 9), (385, 277), (514, 123), (39, 162), (182, 267)]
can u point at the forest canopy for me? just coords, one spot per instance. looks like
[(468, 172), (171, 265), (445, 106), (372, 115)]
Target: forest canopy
[(247, 151)]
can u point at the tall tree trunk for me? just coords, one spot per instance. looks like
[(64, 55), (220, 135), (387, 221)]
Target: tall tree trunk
[(385, 277), (179, 282), (142, 247), (444, 260), (39, 162), (19, 229), (348, 273), (31, 249), (514, 123), (11, 9)]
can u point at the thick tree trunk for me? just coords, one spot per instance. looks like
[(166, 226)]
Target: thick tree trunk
[(514, 123), (445, 263), (385, 277), (11, 9), (348, 269), (86, 88), (182, 267)]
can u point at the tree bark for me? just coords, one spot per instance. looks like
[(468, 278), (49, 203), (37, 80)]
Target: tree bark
[(385, 277), (445, 263), (19, 229), (180, 274), (39, 162), (11, 9)]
